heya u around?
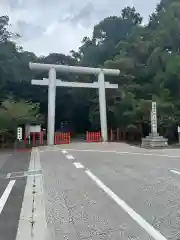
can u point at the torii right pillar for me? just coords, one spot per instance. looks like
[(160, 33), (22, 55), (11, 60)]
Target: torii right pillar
[(154, 140), (102, 107)]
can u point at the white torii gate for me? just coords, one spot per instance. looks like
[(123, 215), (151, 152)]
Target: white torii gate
[(52, 83)]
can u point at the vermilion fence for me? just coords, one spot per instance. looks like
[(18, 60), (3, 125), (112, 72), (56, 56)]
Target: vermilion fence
[(65, 137), (93, 136), (62, 138), (38, 139)]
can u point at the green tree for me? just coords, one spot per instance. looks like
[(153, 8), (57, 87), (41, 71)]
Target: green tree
[(13, 114)]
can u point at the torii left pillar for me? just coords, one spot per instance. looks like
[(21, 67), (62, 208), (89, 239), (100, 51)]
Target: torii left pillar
[(51, 106)]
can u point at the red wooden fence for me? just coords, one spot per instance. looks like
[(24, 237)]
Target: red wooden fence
[(93, 136), (62, 138)]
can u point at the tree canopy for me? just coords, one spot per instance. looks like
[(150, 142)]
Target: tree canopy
[(147, 55)]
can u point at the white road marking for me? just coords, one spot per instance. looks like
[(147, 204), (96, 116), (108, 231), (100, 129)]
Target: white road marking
[(64, 151), (174, 171), (8, 175), (50, 150), (70, 157), (113, 151), (78, 165), (6, 194), (123, 153), (141, 221), (6, 154)]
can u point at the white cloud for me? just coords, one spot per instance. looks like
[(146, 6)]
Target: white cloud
[(51, 28), (58, 40), (62, 24)]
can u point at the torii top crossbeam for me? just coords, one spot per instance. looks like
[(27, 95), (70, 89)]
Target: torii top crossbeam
[(73, 69)]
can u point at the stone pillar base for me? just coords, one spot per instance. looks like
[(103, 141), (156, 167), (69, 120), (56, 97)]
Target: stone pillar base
[(154, 141)]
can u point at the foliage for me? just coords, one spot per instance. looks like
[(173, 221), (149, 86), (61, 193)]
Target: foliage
[(14, 114)]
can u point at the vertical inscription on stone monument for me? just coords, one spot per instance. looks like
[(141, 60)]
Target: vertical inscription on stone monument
[(154, 119)]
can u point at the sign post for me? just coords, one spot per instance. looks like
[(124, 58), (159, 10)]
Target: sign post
[(179, 134), (19, 133)]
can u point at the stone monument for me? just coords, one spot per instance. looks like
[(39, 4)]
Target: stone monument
[(154, 140)]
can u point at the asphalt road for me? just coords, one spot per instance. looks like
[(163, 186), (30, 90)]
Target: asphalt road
[(11, 192), (94, 192), (112, 192)]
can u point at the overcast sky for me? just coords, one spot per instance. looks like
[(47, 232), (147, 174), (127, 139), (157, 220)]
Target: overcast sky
[(59, 25)]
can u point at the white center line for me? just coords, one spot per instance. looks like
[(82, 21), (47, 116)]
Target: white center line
[(6, 194), (70, 157), (174, 171), (141, 221), (78, 165), (64, 151)]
